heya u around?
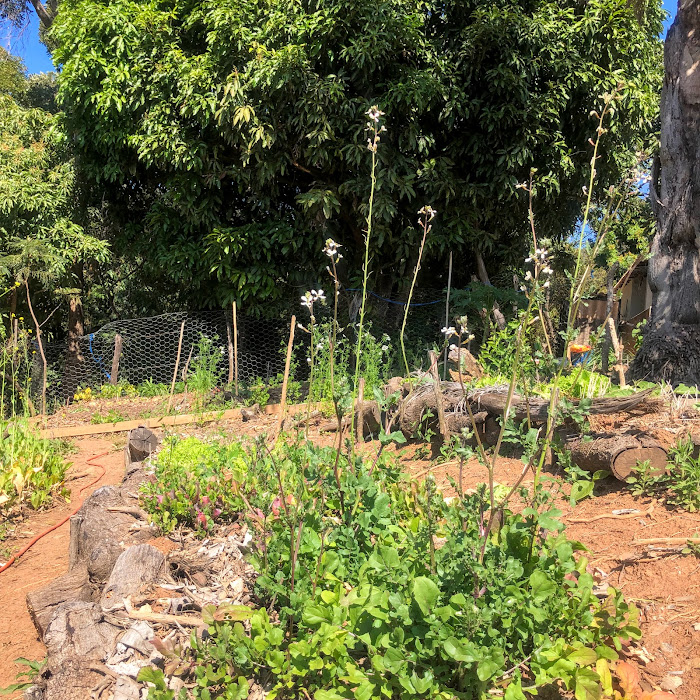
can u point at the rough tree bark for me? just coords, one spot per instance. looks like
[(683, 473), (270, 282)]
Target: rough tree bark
[(671, 347)]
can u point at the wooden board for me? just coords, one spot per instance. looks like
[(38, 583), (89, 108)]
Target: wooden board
[(165, 421)]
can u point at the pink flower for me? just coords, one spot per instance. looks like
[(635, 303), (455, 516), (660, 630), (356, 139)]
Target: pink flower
[(202, 519), (216, 513), (159, 498), (205, 500)]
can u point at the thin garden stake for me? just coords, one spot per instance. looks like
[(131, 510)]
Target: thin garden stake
[(287, 363), (177, 364), (235, 349), (447, 316)]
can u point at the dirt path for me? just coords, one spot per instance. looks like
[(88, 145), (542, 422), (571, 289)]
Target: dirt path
[(47, 559)]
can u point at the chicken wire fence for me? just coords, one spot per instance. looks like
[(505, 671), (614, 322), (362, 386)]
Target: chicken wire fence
[(140, 351)]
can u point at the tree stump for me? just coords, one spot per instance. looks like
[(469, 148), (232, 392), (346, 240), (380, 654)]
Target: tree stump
[(137, 566), (140, 445), (71, 587), (619, 454)]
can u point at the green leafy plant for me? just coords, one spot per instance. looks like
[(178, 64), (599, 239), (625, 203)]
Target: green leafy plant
[(32, 470), (680, 483), (27, 678), (112, 416)]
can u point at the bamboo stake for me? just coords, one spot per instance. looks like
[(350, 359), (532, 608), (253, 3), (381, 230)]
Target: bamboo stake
[(287, 363), (447, 314), (177, 364), (229, 333), (41, 349), (235, 349)]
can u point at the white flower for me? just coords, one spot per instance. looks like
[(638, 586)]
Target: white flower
[(527, 260), (548, 270), (528, 275), (319, 346), (308, 300), (427, 211), (385, 348), (331, 249), (470, 336), (453, 347), (448, 331), (375, 114), (308, 360), (546, 284)]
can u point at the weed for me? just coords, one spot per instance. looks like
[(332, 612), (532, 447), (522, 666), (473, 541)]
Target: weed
[(112, 416), (25, 679)]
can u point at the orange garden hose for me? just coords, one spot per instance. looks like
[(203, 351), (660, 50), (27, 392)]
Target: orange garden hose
[(35, 539)]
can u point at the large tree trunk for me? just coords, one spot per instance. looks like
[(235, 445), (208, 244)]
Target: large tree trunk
[(76, 330), (671, 347)]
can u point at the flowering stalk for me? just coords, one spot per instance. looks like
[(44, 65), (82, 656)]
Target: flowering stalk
[(308, 300), (427, 214), (331, 250), (375, 129)]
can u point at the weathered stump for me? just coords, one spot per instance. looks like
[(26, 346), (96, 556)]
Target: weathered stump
[(619, 454), (136, 567), (69, 588)]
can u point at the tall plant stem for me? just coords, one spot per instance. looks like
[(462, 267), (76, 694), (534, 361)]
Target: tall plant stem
[(365, 276), (425, 228)]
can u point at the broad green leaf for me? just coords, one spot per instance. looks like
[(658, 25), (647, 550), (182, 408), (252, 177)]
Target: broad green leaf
[(425, 594)]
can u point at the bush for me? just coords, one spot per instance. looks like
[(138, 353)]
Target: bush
[(31, 469), (384, 589)]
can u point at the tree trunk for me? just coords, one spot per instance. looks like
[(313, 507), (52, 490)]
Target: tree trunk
[(76, 330), (671, 347), (610, 299)]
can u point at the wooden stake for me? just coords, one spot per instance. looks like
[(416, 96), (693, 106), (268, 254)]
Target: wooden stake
[(235, 349), (229, 334), (447, 313), (15, 333), (287, 363), (618, 347), (115, 359), (359, 411), (433, 359), (177, 364)]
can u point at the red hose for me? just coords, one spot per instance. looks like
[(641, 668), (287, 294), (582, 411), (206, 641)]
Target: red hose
[(34, 540)]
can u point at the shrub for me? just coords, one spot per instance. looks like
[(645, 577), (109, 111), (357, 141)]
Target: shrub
[(381, 586)]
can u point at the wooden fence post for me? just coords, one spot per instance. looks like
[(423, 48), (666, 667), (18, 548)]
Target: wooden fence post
[(287, 363), (235, 349), (177, 364), (115, 359)]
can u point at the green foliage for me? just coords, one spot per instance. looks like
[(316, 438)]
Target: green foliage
[(369, 607), (680, 484), (112, 416), (25, 678), (206, 372), (240, 124), (195, 484), (31, 469)]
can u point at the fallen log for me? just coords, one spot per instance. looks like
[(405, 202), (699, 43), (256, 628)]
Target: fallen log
[(537, 409), (71, 587), (618, 454)]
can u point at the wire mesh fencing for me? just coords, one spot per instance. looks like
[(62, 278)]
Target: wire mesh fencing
[(171, 347)]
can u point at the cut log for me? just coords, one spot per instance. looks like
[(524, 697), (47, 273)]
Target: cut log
[(98, 536), (42, 604), (370, 421), (77, 639), (136, 567), (141, 444), (619, 454), (471, 369)]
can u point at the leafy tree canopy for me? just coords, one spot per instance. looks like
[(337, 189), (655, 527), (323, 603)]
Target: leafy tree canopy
[(229, 133), (40, 234)]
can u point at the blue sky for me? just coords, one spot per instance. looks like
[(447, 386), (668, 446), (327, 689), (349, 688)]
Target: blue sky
[(37, 59)]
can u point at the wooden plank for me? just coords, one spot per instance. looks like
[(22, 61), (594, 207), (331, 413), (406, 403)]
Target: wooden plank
[(165, 421)]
